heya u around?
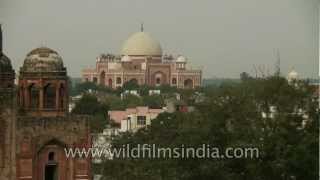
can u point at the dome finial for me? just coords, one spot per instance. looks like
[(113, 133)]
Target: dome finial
[(141, 28)]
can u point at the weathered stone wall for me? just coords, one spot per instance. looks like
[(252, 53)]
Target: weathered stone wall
[(7, 135), (37, 135)]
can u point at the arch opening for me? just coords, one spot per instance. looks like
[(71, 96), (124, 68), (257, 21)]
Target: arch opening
[(110, 82), (159, 78), (188, 83), (158, 81), (51, 156), (51, 172), (118, 80), (174, 81), (61, 96), (49, 96), (103, 78), (33, 96), (95, 80)]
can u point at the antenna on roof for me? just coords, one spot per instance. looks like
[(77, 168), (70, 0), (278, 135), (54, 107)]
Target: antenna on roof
[(141, 28)]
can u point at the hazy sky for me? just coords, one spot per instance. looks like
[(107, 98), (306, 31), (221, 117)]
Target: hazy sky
[(225, 37)]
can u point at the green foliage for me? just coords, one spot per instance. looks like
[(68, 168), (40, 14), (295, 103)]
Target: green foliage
[(132, 101), (84, 87), (115, 102), (113, 95), (232, 117), (89, 105), (153, 101), (244, 76), (167, 89), (130, 85)]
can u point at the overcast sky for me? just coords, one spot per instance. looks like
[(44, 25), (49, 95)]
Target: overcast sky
[(224, 37)]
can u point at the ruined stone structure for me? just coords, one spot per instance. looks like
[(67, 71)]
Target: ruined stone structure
[(35, 124), (43, 84), (7, 117), (142, 61)]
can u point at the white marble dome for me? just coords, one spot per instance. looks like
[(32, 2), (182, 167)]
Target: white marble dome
[(292, 75), (141, 44)]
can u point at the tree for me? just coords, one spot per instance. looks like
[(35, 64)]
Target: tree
[(89, 105), (153, 101), (232, 117), (130, 85), (84, 87), (244, 76), (132, 101), (114, 103)]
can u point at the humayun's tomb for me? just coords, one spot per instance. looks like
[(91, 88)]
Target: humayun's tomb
[(141, 60)]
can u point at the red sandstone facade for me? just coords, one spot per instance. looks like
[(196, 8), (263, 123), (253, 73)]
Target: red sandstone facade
[(44, 127), (34, 136), (141, 60)]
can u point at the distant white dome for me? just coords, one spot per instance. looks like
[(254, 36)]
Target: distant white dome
[(292, 75), (126, 58), (181, 59), (141, 44)]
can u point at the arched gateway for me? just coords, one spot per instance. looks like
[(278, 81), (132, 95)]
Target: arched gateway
[(188, 83), (51, 161)]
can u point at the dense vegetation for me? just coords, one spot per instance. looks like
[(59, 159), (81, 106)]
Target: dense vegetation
[(89, 105), (97, 100), (112, 99), (231, 117)]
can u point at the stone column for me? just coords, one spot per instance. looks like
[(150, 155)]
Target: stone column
[(193, 82)]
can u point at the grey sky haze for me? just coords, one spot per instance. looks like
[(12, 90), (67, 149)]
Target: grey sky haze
[(225, 37)]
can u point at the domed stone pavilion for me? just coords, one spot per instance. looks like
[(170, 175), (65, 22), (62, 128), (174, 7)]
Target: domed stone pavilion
[(35, 124)]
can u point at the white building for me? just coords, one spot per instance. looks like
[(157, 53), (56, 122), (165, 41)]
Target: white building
[(292, 76), (133, 119)]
